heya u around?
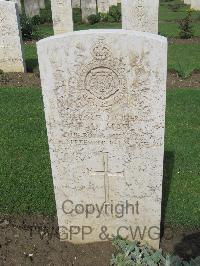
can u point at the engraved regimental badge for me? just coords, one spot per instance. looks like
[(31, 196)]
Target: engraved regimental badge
[(102, 80)]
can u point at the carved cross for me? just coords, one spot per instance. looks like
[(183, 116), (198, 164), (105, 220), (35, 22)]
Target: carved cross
[(107, 174)]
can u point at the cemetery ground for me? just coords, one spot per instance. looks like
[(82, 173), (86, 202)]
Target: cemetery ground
[(28, 234)]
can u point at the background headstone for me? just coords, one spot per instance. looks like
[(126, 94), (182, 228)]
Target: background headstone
[(76, 3), (41, 4), (62, 16), (11, 56), (18, 4), (31, 7), (187, 2), (112, 2), (195, 4), (140, 15), (104, 96), (103, 6), (88, 7)]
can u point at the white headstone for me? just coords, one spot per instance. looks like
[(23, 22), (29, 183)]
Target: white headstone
[(104, 96), (140, 15), (112, 2), (41, 4), (103, 6), (88, 7), (187, 2), (76, 3), (18, 4), (62, 16), (31, 8), (11, 56), (195, 4)]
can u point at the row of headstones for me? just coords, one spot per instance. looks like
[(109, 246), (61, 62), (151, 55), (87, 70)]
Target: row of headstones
[(90, 7), (195, 4), (135, 16), (31, 7)]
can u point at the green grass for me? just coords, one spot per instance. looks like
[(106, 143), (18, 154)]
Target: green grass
[(183, 142), (169, 29), (31, 58), (165, 13), (181, 57), (184, 58), (26, 182)]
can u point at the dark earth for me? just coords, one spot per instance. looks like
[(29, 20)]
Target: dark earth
[(33, 240)]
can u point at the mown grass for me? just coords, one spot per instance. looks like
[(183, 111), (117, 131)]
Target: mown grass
[(183, 58), (166, 13), (183, 142), (26, 182), (168, 29)]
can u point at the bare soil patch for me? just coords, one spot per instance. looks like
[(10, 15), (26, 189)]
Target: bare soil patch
[(175, 82), (19, 80), (32, 80), (194, 40), (33, 240)]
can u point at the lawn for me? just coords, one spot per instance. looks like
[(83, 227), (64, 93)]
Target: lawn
[(184, 58), (26, 182), (166, 13), (168, 29)]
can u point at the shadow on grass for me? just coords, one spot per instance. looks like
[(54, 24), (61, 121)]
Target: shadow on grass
[(31, 65), (189, 247), (169, 159)]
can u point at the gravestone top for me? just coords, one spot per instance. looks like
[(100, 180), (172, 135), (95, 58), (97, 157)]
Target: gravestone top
[(140, 15), (88, 7), (62, 16), (104, 96), (11, 54)]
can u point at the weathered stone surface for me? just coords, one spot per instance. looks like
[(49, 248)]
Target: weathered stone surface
[(41, 4), (76, 3), (195, 4), (31, 8), (18, 4), (140, 15), (88, 7), (112, 2), (103, 6), (11, 59), (104, 97), (187, 2), (62, 16)]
